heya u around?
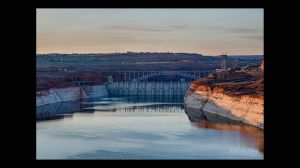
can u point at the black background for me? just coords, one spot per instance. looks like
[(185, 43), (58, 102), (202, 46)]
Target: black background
[(18, 69)]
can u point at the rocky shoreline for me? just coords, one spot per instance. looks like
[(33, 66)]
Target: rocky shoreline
[(232, 96)]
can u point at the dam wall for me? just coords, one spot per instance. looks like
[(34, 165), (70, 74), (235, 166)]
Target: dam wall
[(56, 95), (147, 88)]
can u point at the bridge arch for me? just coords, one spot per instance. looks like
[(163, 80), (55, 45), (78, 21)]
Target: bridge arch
[(162, 73)]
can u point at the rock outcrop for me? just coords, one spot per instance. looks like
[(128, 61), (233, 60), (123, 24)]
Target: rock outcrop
[(56, 95), (262, 65), (233, 95)]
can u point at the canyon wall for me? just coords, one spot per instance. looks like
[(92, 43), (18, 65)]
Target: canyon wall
[(244, 109), (68, 94)]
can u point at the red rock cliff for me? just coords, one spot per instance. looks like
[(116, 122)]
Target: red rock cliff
[(237, 95)]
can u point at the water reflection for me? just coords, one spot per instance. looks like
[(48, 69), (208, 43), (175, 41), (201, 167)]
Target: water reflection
[(57, 110), (139, 128), (108, 104), (251, 137)]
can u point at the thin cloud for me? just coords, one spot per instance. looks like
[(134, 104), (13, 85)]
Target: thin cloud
[(134, 28), (174, 27), (255, 37), (182, 27), (145, 28), (248, 33), (242, 30)]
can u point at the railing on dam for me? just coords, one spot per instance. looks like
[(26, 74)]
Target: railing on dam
[(147, 88)]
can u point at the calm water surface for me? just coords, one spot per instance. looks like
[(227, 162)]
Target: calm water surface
[(138, 128)]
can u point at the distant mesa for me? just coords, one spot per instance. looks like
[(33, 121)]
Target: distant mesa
[(120, 53)]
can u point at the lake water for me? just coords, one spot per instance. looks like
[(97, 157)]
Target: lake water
[(138, 128)]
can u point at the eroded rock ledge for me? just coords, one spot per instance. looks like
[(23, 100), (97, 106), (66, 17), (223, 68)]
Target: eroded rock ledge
[(237, 95)]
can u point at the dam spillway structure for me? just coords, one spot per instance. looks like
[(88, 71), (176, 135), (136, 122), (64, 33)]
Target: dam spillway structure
[(135, 83), (147, 88)]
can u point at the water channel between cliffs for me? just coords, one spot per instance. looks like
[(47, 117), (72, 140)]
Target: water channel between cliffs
[(138, 127)]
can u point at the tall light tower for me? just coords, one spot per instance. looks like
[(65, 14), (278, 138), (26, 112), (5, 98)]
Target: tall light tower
[(223, 61)]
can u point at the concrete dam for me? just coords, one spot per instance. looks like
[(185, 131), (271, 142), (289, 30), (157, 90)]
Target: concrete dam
[(132, 83), (147, 88)]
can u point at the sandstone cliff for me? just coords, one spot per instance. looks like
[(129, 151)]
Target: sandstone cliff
[(236, 95), (262, 65)]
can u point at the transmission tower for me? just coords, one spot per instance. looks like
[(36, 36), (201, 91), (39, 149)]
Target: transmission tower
[(223, 61)]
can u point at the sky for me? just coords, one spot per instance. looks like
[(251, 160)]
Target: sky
[(204, 31)]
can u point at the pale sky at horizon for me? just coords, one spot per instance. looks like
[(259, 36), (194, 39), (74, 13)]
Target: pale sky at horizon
[(205, 31)]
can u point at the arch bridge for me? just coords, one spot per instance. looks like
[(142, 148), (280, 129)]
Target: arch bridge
[(118, 76), (137, 76)]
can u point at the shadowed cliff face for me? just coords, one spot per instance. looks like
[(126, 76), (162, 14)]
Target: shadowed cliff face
[(245, 109), (61, 110), (249, 136)]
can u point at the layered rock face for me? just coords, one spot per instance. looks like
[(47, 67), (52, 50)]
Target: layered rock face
[(68, 94), (232, 95)]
